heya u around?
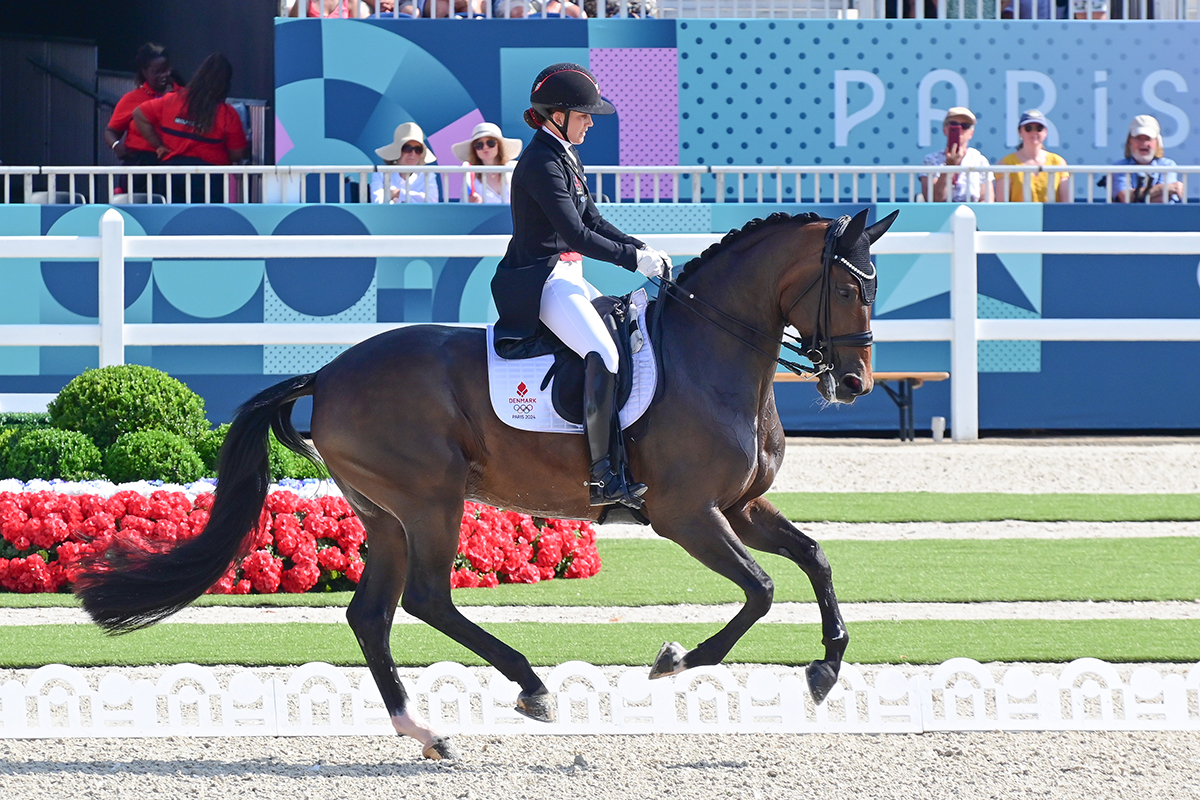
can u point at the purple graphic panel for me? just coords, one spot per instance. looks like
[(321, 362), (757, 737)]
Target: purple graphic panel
[(643, 83)]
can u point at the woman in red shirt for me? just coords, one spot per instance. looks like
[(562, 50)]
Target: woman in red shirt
[(155, 79), (195, 125)]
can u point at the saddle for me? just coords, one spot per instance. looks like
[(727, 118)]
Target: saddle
[(567, 370)]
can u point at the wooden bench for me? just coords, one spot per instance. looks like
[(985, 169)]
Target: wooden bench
[(901, 395)]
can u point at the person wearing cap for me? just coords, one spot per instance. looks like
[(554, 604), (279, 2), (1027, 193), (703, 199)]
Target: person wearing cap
[(487, 147), (1032, 130), (1144, 148), (540, 279), (408, 149), (958, 187)]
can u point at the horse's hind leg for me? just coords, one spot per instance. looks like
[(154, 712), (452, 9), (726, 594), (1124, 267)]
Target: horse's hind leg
[(760, 526), (370, 616), (433, 530)]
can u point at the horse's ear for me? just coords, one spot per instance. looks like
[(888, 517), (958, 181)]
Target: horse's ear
[(881, 227), (855, 228)]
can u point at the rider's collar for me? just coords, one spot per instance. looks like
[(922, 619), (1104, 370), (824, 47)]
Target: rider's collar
[(554, 135)]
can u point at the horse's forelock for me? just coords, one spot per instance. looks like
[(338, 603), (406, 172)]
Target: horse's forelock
[(738, 234)]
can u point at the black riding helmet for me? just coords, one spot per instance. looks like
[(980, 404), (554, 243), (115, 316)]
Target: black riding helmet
[(565, 87)]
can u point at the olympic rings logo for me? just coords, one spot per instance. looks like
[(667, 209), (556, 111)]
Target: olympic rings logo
[(522, 408)]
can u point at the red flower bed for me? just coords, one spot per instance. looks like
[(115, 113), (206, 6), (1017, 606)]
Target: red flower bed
[(299, 545)]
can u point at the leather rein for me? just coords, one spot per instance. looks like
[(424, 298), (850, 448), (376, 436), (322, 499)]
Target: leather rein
[(819, 348)]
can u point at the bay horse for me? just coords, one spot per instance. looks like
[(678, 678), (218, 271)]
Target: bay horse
[(404, 423)]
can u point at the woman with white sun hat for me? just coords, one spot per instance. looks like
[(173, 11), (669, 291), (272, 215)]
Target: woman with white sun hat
[(407, 149), (487, 147)]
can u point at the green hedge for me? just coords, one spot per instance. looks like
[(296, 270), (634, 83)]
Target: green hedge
[(24, 419), (49, 453), (108, 402), (150, 456)]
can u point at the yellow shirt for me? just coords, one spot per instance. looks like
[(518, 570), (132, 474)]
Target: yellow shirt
[(1016, 180)]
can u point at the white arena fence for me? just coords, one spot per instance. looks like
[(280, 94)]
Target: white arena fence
[(964, 330), (617, 184), (1090, 10), (317, 699)]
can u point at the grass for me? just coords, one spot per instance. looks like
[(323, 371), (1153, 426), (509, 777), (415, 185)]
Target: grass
[(639, 572), (917, 642), (982, 507)]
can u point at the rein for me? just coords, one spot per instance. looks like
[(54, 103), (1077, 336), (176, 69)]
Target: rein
[(819, 349)]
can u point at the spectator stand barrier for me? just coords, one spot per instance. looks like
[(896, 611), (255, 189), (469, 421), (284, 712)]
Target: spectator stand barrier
[(964, 330), (1085, 10), (610, 183)]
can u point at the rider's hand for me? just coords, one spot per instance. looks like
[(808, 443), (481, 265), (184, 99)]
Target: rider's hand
[(650, 262)]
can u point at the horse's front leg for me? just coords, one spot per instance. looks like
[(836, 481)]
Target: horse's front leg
[(707, 537), (760, 526)]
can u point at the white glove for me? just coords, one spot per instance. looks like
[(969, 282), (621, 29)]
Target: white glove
[(650, 262)]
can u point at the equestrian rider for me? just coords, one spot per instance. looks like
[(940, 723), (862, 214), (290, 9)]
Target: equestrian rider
[(556, 224)]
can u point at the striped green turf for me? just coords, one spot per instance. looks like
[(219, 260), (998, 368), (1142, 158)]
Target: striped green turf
[(640, 572), (981, 507), (622, 643)]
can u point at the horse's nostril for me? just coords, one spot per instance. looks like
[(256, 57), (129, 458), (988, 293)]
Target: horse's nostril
[(852, 384)]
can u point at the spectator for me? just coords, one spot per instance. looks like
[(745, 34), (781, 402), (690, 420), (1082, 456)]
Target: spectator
[(154, 78), (487, 147), (958, 187), (1032, 130), (408, 149), (512, 9), (1144, 148), (195, 126), (612, 8), (560, 9), (338, 9)]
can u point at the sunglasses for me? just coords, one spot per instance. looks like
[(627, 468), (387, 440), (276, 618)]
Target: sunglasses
[(966, 126), (1033, 128), (482, 143), (413, 148)]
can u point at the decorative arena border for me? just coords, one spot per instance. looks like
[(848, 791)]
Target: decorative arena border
[(318, 699)]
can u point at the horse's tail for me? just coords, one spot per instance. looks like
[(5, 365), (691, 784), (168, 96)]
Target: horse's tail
[(127, 589)]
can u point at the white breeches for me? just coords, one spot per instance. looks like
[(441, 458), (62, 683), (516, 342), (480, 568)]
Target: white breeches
[(567, 310)]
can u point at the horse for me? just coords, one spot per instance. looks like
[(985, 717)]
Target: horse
[(404, 424)]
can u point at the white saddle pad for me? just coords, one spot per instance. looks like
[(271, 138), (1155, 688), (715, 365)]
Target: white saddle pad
[(517, 397)]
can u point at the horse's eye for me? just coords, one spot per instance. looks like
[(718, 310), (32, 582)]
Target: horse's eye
[(843, 292)]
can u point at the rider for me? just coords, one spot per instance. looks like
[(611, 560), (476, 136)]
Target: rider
[(555, 224)]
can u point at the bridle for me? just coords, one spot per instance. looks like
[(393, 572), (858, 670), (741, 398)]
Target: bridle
[(818, 349)]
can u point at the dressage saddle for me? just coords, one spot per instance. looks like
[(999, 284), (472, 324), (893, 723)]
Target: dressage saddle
[(567, 370)]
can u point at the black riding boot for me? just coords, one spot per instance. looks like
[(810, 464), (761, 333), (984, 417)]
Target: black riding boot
[(608, 483)]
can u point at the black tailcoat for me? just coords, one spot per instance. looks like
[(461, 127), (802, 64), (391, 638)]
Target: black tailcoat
[(552, 213)]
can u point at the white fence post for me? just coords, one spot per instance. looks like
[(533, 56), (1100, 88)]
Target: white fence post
[(112, 288), (964, 310)]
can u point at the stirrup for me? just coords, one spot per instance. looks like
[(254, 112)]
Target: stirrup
[(613, 489)]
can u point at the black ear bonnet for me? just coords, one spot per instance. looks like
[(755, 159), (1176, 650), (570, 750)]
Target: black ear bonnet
[(852, 253)]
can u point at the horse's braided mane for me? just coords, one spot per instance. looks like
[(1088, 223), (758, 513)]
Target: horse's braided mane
[(750, 227)]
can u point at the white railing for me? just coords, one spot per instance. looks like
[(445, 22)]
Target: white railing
[(317, 699), (666, 184), (1092, 10), (963, 330)]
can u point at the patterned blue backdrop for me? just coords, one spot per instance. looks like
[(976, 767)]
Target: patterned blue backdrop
[(1022, 384)]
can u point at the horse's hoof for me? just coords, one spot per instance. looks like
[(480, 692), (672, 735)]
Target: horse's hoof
[(822, 677), (439, 749), (537, 706), (669, 661)]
